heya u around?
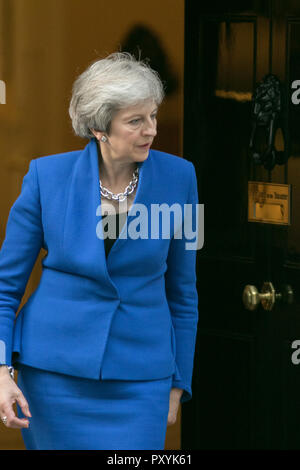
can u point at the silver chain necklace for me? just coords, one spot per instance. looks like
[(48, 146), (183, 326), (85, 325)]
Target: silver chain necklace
[(128, 190)]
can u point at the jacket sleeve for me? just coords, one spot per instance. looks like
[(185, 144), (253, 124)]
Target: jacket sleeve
[(20, 248), (182, 296)]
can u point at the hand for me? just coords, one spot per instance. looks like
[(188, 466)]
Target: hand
[(175, 396), (9, 394)]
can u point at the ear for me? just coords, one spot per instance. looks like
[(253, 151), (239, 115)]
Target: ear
[(97, 134)]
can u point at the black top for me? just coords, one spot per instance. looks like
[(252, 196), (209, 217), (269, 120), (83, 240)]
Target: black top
[(108, 242)]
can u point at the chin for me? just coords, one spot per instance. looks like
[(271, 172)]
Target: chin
[(142, 156)]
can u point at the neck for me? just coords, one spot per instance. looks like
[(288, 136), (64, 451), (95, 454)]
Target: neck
[(115, 174)]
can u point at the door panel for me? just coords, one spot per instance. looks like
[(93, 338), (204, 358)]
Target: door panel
[(245, 386)]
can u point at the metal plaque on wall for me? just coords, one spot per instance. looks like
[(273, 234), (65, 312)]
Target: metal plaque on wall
[(269, 203)]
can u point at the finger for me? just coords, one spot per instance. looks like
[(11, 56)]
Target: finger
[(172, 417), (12, 420), (22, 402), (171, 422), (15, 422)]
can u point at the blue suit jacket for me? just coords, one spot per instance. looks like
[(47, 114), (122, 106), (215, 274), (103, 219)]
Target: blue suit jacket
[(131, 316)]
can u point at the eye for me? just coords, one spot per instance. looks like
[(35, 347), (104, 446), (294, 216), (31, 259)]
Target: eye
[(134, 121), (154, 116)]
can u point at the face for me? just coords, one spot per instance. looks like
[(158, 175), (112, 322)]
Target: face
[(131, 133)]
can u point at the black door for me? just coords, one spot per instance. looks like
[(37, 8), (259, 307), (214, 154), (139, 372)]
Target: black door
[(246, 383)]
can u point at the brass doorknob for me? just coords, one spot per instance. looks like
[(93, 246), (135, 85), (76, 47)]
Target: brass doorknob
[(267, 297)]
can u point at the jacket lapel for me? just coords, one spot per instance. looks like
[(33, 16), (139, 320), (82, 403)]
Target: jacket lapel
[(83, 249)]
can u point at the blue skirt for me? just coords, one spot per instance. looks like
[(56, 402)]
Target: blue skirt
[(71, 413)]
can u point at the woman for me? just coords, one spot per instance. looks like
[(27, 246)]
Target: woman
[(105, 345)]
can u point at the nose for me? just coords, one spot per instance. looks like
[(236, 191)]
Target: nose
[(150, 128)]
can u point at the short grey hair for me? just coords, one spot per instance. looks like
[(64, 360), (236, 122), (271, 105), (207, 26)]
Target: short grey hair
[(108, 85)]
